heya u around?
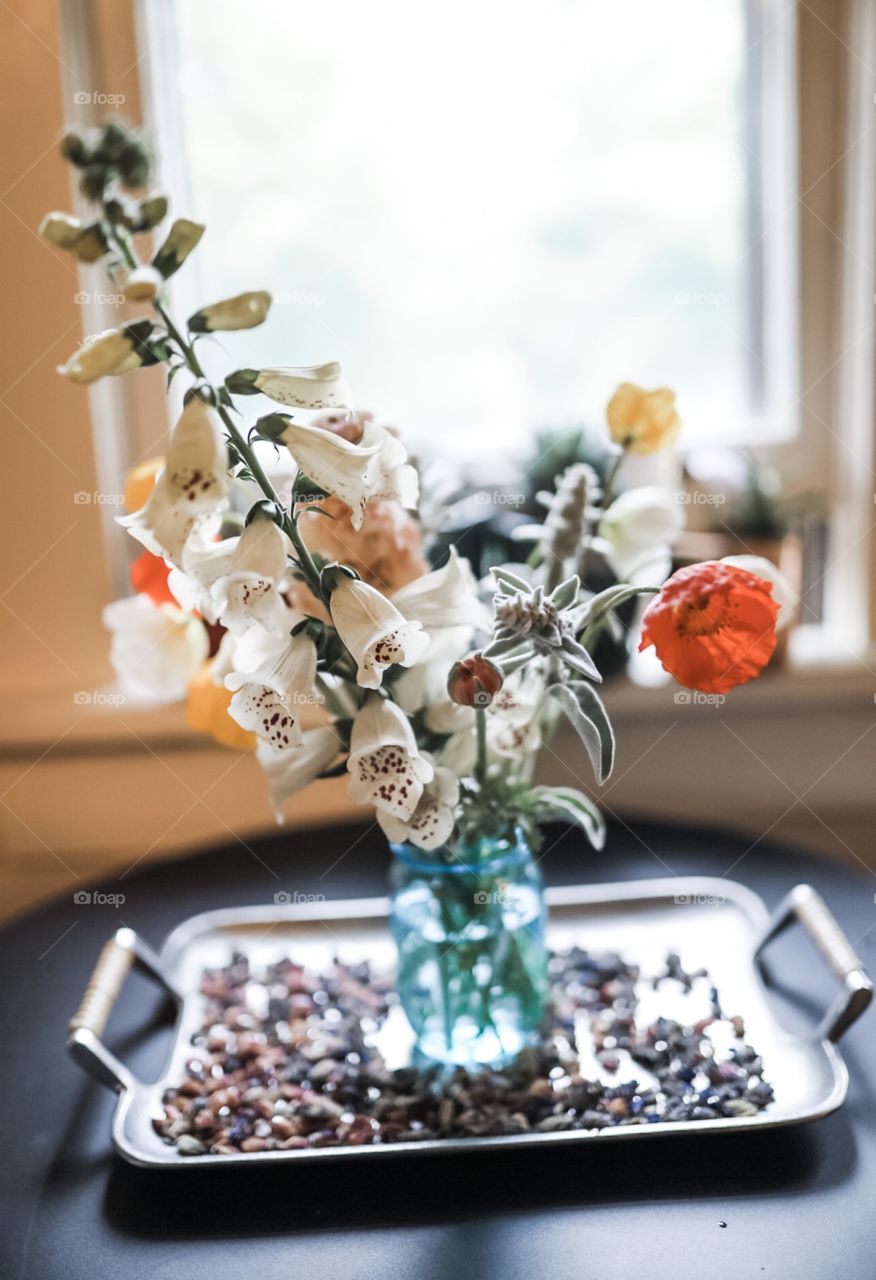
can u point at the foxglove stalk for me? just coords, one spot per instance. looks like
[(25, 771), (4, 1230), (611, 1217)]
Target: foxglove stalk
[(269, 700), (369, 471), (294, 768), (373, 630), (385, 765), (432, 822), (193, 484)]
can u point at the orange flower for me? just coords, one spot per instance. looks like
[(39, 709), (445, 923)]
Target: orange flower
[(139, 483), (713, 626), (207, 711), (149, 575), (642, 421)]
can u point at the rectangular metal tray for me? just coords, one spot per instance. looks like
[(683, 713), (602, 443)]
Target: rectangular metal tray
[(714, 923)]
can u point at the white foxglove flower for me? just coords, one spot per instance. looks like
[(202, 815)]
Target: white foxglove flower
[(294, 768), (432, 822), (155, 650), (385, 765), (194, 483), (250, 592), (371, 470), (445, 597), (315, 386), (637, 532), (783, 593), (205, 559), (270, 699), (373, 630)]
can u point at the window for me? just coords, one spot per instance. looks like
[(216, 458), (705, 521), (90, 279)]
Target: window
[(490, 214)]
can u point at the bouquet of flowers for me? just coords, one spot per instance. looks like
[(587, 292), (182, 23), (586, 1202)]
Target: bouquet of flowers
[(283, 587)]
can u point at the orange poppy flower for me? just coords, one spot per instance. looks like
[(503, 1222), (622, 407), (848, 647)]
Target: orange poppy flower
[(713, 626), (149, 575)]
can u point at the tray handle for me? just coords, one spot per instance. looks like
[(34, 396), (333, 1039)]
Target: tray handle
[(808, 907), (117, 957)]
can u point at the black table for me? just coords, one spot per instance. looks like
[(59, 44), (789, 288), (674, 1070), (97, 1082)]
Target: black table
[(796, 1202)]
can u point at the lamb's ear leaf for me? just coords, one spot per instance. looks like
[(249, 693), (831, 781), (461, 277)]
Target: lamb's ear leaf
[(583, 705), (568, 805), (506, 580)]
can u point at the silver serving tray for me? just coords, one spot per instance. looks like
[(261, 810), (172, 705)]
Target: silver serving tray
[(714, 923)]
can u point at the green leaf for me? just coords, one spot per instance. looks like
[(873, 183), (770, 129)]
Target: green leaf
[(583, 705), (505, 579), (569, 805), (566, 593)]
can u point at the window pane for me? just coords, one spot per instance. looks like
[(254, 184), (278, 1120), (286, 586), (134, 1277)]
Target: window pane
[(490, 215)]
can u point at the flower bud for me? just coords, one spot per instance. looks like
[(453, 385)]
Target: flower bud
[(73, 147), (181, 240), (474, 681), (91, 244), (143, 284), (150, 212), (244, 311), (61, 229)]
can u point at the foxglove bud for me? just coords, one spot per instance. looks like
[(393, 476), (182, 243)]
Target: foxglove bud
[(244, 311), (474, 681), (181, 240)]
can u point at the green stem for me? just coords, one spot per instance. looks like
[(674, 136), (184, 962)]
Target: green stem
[(481, 763)]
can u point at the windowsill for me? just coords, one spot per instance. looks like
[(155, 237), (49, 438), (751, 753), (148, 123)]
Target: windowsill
[(53, 721)]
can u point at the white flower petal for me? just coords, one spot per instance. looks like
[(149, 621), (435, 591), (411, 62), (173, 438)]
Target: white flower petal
[(316, 386), (156, 650), (294, 768), (385, 766), (269, 700), (374, 631), (446, 597)]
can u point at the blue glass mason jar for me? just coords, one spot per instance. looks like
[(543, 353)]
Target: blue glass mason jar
[(468, 923)]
